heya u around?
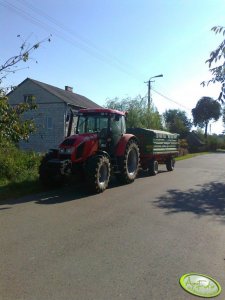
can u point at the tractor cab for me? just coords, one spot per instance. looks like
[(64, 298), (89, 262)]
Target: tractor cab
[(108, 124)]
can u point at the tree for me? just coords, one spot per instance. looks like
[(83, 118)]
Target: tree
[(218, 72), (206, 109), (12, 125), (138, 113), (177, 121), (223, 118), (11, 65)]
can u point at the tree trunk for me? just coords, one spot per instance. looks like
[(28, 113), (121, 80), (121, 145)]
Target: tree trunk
[(206, 129)]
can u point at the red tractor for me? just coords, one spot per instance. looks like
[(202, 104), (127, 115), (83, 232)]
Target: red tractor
[(99, 148)]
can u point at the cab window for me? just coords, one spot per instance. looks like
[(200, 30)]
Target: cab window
[(92, 123), (117, 124)]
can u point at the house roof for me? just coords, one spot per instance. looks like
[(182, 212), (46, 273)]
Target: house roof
[(66, 96), (194, 139)]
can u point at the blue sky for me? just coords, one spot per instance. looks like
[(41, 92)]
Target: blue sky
[(107, 49)]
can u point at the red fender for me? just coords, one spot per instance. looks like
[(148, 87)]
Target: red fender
[(121, 147)]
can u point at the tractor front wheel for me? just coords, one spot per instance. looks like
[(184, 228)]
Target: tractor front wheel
[(98, 173), (48, 177)]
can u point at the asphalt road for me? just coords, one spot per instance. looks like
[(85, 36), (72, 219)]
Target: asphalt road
[(131, 242)]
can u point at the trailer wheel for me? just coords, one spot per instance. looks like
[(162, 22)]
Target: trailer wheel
[(170, 164), (153, 168), (98, 173), (129, 163)]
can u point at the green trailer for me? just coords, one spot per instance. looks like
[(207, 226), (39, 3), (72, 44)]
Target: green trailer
[(156, 147)]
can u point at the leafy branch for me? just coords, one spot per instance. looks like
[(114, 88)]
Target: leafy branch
[(218, 72), (13, 126), (11, 64)]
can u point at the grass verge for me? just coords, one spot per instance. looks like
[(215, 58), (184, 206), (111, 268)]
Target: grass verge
[(13, 190), (190, 155), (18, 172)]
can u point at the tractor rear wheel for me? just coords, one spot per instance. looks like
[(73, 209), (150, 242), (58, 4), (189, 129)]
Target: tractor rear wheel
[(98, 173), (129, 163)]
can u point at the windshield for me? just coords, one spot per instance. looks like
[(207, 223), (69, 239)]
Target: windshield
[(92, 123)]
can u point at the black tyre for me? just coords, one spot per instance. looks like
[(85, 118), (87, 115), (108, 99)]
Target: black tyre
[(129, 163), (98, 173), (170, 164), (153, 168), (47, 176)]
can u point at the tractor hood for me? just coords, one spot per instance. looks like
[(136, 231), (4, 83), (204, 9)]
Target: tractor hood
[(76, 139), (79, 146)]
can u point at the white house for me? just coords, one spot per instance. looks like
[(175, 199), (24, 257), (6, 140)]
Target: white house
[(52, 115)]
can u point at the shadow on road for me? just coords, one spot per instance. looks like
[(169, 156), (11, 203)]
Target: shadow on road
[(74, 190), (4, 208), (70, 192), (207, 200), (65, 194), (51, 196)]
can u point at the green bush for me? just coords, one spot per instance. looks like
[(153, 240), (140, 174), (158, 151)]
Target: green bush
[(215, 142), (183, 147), (17, 165)]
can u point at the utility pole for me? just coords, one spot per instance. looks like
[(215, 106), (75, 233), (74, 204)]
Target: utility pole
[(149, 93), (149, 88)]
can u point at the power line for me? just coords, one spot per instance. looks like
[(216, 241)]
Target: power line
[(75, 34), (75, 39), (79, 42), (171, 100)]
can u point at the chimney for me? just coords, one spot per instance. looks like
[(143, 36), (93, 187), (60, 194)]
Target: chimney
[(68, 89)]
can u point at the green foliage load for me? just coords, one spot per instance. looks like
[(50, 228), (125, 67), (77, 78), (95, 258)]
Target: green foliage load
[(138, 113)]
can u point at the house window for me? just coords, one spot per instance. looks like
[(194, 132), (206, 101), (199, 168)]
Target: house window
[(49, 122), (29, 99)]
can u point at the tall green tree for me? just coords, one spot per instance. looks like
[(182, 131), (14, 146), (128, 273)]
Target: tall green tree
[(177, 121), (206, 109), (138, 113), (217, 57)]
